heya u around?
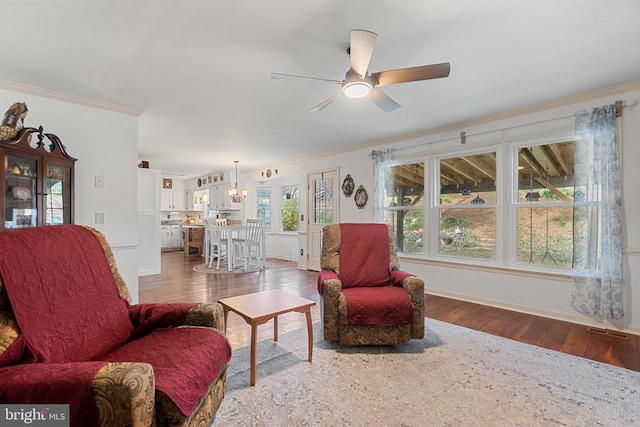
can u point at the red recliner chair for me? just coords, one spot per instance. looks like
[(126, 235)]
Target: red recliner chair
[(69, 335), (365, 298)]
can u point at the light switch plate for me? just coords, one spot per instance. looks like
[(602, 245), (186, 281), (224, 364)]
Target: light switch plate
[(99, 181), (99, 217)]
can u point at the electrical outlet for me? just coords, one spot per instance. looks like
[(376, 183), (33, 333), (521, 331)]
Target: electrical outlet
[(99, 217)]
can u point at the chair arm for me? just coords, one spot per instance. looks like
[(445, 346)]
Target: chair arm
[(204, 314), (125, 394), (151, 316), (415, 288), (331, 289)]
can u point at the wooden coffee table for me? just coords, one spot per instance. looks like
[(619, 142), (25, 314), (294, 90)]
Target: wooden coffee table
[(260, 307)]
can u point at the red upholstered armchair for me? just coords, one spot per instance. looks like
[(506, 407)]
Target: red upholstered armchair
[(365, 298), (69, 335)]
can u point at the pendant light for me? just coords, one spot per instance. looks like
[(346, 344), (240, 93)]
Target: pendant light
[(236, 195)]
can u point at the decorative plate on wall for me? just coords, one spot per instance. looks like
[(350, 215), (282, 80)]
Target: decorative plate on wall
[(167, 183), (361, 197), (348, 185), (199, 182)]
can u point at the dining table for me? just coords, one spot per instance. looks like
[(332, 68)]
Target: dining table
[(233, 231)]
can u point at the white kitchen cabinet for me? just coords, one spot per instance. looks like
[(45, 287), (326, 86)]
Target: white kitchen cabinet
[(170, 236), (175, 238), (219, 198), (165, 233), (173, 200), (197, 200), (213, 197)]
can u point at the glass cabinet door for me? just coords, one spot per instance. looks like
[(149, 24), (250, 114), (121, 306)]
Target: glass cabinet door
[(57, 191), (38, 178), (20, 200)]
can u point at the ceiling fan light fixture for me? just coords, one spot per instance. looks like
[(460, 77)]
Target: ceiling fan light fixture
[(357, 89)]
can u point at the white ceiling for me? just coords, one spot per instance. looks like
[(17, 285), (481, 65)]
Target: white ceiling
[(200, 70)]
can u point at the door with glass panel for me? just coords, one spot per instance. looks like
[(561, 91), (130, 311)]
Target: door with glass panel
[(323, 210)]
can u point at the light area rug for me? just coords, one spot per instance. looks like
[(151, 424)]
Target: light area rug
[(203, 268), (453, 377)]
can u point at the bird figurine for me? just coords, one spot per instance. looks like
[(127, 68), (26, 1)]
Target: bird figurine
[(13, 121)]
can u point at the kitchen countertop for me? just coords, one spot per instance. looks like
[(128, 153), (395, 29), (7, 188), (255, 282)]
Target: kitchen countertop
[(192, 225)]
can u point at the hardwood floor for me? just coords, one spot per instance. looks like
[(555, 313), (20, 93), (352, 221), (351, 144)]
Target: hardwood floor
[(178, 282)]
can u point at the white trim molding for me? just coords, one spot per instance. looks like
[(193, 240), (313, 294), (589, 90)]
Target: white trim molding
[(632, 251), (66, 97), (579, 320)]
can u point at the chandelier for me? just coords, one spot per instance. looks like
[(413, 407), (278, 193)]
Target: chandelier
[(236, 195)]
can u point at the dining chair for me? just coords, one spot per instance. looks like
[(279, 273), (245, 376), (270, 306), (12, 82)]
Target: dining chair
[(218, 245), (250, 247)]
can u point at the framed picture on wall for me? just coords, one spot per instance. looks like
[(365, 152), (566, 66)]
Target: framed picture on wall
[(167, 183)]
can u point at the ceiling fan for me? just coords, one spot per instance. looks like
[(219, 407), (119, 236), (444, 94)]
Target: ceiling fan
[(358, 82)]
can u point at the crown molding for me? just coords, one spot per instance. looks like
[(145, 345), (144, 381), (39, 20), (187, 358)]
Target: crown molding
[(66, 97)]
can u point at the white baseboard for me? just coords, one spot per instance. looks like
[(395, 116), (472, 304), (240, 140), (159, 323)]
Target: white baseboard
[(579, 320)]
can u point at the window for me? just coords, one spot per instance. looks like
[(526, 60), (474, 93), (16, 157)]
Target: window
[(544, 205), (264, 206), (55, 205), (323, 200), (485, 206), (466, 208), (404, 205), (289, 207)]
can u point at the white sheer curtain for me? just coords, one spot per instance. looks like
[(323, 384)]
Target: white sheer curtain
[(382, 173), (598, 285)]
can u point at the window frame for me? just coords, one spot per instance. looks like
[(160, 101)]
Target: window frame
[(506, 206), (402, 208), (514, 204), (268, 224), (281, 208), (435, 207)]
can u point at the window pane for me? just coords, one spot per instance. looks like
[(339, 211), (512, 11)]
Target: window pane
[(468, 179), (289, 203), (404, 185), (408, 225), (545, 236), (468, 233), (404, 205), (545, 173), (264, 206), (323, 201)]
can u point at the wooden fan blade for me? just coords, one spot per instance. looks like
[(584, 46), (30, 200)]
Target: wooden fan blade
[(382, 100), (362, 43), (412, 74), (279, 76), (324, 103)]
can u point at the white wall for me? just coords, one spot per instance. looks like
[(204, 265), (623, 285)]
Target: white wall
[(547, 295), (149, 187), (105, 144)]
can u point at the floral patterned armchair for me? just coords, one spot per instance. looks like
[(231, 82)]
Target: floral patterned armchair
[(365, 298), (69, 335)]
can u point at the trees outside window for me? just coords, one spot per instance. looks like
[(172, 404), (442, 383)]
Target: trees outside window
[(289, 207)]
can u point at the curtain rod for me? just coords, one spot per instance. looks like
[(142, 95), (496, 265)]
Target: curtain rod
[(619, 106)]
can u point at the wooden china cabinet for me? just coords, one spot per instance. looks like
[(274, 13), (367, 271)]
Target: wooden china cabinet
[(38, 180)]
